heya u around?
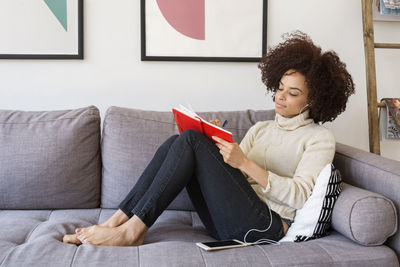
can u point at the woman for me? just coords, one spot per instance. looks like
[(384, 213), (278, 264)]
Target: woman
[(258, 184)]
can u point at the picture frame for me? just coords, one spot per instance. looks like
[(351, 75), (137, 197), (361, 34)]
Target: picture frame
[(377, 16), (41, 29), (222, 31)]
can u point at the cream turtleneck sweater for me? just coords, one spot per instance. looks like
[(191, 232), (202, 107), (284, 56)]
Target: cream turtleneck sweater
[(294, 151)]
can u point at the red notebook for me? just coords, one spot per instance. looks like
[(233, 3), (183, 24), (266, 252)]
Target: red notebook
[(186, 119)]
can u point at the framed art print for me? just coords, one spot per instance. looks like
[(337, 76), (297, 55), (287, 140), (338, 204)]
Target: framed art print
[(203, 30), (41, 29)]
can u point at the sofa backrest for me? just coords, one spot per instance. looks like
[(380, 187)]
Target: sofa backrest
[(131, 137), (50, 159), (374, 173)]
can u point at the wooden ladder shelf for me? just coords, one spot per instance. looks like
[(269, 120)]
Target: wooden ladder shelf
[(369, 46)]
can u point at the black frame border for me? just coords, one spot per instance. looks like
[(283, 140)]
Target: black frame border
[(144, 57), (56, 56)]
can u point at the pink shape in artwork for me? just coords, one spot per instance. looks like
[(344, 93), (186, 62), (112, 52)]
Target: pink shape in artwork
[(185, 16)]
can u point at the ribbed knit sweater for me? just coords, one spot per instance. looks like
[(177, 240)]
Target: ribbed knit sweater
[(294, 151)]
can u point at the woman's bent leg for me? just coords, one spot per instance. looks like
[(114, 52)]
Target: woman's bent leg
[(146, 178), (156, 188), (174, 173), (124, 213), (225, 201)]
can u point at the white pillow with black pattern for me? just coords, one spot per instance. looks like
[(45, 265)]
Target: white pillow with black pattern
[(313, 220)]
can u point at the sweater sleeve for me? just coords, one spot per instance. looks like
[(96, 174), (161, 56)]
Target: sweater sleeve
[(294, 191), (247, 142)]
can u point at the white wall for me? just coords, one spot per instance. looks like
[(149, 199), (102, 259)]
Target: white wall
[(112, 73)]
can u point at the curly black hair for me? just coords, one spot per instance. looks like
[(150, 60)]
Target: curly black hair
[(329, 83)]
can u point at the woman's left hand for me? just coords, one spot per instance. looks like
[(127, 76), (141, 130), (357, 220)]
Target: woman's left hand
[(231, 152)]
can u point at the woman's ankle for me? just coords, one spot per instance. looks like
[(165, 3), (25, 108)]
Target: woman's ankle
[(118, 218), (134, 229)]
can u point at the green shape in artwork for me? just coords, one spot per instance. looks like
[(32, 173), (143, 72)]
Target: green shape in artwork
[(59, 9)]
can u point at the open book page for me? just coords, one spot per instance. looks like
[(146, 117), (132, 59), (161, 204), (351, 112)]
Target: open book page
[(193, 114), (187, 111), (187, 119)]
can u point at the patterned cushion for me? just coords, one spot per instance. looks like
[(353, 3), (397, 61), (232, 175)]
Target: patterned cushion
[(314, 219)]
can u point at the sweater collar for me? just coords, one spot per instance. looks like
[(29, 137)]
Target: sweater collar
[(290, 124)]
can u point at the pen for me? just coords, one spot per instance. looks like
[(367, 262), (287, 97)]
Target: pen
[(224, 123)]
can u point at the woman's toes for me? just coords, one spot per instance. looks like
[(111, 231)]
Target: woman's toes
[(72, 239), (83, 231), (79, 230), (66, 238), (81, 236)]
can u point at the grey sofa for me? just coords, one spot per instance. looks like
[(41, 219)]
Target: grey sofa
[(59, 171)]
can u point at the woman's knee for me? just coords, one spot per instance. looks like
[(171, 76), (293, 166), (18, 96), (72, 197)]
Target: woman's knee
[(190, 134), (172, 138), (167, 143)]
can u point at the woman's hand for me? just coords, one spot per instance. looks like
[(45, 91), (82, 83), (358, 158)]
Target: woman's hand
[(231, 153), (216, 122)]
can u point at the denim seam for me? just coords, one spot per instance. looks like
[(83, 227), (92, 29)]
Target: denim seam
[(134, 198), (224, 167), (123, 210), (147, 206), (226, 170)]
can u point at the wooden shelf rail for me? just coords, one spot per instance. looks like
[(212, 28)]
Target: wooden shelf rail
[(370, 69), (383, 45)]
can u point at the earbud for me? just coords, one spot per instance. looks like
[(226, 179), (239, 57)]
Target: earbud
[(301, 110)]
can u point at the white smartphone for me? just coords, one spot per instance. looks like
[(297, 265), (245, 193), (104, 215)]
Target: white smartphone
[(223, 244)]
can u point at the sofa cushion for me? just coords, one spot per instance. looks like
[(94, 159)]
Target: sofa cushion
[(372, 172), (365, 217), (34, 238), (313, 220), (132, 136), (50, 159)]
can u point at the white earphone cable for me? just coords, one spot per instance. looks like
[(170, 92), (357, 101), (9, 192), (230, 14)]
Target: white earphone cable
[(262, 240)]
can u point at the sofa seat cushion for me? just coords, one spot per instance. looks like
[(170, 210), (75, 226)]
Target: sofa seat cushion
[(34, 238)]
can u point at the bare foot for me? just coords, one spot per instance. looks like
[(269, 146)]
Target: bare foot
[(118, 218), (130, 233), (106, 236)]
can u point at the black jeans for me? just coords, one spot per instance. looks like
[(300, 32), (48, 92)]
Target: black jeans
[(221, 194)]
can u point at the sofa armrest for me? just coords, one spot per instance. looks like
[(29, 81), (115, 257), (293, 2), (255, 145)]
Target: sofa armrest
[(367, 170), (371, 172)]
